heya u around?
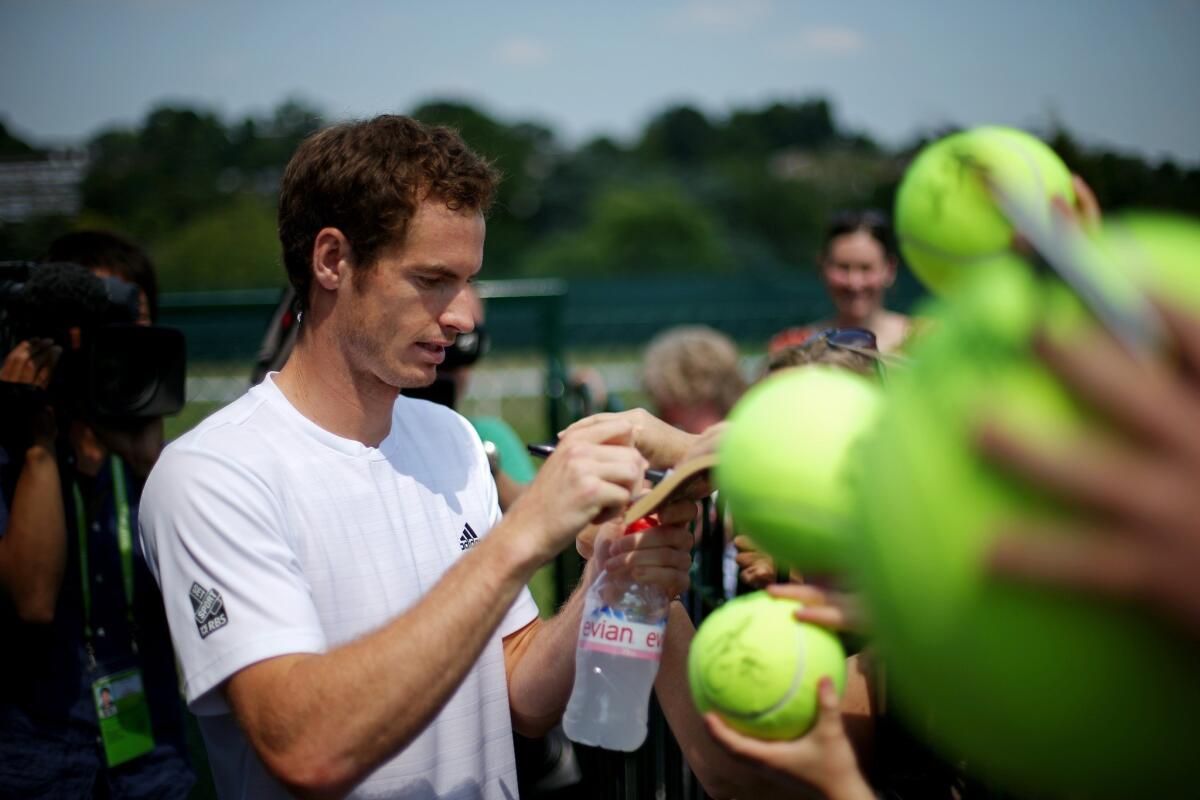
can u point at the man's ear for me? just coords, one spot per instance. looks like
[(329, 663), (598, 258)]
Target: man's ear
[(331, 258)]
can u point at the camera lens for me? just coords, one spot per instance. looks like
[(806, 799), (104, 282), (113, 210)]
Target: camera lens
[(125, 384), (136, 371)]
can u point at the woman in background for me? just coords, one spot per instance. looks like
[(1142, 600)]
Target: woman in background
[(858, 264)]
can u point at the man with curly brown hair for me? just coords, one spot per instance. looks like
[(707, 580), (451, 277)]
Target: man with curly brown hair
[(348, 606)]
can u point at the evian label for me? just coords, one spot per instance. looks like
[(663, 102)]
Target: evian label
[(603, 632)]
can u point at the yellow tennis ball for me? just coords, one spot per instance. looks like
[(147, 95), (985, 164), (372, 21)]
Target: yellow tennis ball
[(782, 461), (1041, 690), (757, 666), (947, 223)]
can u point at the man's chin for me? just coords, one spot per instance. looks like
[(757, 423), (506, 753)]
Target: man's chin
[(417, 382), (416, 378)]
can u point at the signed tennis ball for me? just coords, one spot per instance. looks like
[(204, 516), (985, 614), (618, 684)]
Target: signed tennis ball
[(758, 667), (1041, 690), (947, 223), (782, 460)]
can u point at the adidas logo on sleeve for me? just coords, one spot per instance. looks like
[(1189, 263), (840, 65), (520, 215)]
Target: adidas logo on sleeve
[(469, 538)]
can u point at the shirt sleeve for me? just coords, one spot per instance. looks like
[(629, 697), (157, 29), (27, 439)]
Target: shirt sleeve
[(522, 612), (234, 592), (523, 609)]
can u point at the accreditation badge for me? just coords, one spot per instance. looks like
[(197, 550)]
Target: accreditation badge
[(124, 715)]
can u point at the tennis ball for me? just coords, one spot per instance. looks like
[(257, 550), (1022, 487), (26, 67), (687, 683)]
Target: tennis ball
[(1040, 690), (946, 221), (781, 461), (758, 667), (1160, 251)]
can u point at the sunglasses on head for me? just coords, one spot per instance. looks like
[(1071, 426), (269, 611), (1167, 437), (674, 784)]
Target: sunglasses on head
[(854, 339)]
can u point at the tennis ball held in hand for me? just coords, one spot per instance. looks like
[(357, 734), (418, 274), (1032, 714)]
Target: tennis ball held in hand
[(948, 224), (758, 667)]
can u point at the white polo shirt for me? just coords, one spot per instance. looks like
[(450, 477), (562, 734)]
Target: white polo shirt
[(269, 535)]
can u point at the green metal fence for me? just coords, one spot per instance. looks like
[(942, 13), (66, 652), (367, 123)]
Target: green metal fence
[(540, 331)]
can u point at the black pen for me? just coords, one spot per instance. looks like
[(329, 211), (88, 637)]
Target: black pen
[(544, 451)]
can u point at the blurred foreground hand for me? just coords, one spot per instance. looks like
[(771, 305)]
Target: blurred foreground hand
[(755, 568), (1135, 484)]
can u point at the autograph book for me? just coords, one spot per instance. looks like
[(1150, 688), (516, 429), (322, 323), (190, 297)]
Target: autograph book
[(689, 479)]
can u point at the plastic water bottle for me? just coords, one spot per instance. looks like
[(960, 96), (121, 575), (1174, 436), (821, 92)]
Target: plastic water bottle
[(616, 659)]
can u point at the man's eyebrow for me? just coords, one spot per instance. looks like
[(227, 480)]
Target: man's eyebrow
[(442, 272), (436, 270)]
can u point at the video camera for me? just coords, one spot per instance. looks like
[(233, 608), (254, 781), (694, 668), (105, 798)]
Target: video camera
[(111, 371)]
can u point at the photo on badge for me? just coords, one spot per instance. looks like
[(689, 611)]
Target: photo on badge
[(124, 716)]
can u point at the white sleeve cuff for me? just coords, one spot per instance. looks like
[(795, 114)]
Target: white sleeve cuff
[(202, 688)]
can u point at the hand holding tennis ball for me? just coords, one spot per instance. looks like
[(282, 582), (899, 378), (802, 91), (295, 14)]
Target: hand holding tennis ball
[(771, 686), (758, 667), (823, 758), (1148, 552)]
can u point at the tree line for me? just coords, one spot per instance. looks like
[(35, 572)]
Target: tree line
[(691, 193)]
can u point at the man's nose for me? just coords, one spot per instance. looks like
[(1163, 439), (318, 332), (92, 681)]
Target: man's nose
[(458, 315)]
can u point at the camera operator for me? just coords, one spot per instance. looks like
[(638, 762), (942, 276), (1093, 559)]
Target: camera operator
[(89, 704)]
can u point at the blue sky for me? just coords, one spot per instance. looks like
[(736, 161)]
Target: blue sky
[(1119, 73)]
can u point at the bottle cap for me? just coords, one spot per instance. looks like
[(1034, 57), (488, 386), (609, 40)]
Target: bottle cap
[(648, 521)]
